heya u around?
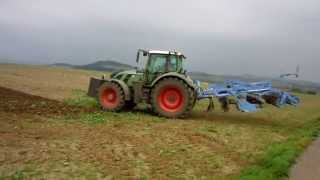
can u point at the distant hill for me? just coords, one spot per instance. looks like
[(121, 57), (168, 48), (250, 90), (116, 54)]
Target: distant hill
[(97, 66), (62, 65), (106, 66), (112, 66)]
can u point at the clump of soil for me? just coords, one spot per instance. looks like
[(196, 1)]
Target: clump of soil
[(19, 102)]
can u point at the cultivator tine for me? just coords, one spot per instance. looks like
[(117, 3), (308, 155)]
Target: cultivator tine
[(224, 103), (211, 104)]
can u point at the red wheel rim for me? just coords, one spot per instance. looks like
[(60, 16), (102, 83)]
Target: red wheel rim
[(109, 98), (171, 99)]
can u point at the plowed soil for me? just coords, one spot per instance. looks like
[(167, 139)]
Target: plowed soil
[(18, 102), (36, 144)]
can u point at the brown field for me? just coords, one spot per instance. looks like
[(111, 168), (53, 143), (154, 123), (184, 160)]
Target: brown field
[(54, 83), (41, 137)]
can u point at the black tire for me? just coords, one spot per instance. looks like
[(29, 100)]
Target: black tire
[(111, 97), (172, 98)]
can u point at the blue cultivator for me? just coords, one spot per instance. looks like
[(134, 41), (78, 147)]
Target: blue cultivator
[(247, 97)]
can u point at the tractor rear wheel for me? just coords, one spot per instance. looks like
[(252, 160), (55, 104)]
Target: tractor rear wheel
[(173, 98), (111, 97)]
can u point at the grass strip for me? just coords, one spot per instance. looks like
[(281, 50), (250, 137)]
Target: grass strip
[(276, 162), (80, 98)]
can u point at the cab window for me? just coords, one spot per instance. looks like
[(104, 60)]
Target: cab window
[(157, 63), (173, 62), (176, 64)]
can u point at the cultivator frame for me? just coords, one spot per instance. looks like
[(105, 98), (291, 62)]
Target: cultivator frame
[(247, 97)]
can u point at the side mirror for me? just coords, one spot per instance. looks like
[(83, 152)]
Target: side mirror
[(138, 55)]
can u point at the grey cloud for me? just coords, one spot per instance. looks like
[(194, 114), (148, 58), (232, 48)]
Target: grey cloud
[(223, 37)]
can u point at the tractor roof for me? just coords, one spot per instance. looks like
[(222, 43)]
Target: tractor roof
[(165, 52)]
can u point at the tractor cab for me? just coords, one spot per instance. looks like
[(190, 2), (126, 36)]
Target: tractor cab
[(158, 62)]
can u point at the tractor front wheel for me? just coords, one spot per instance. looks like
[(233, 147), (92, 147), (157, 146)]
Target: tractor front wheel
[(172, 98), (111, 97)]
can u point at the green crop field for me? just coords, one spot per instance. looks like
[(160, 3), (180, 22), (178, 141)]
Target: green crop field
[(139, 145)]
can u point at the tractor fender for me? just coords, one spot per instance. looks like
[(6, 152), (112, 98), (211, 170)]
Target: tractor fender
[(125, 88), (183, 77)]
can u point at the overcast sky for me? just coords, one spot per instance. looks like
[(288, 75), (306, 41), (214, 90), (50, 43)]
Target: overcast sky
[(260, 37)]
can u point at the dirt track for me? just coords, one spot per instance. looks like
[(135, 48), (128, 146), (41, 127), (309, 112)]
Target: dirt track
[(18, 102), (307, 166)]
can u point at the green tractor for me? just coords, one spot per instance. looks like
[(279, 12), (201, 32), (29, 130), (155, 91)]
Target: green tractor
[(161, 82)]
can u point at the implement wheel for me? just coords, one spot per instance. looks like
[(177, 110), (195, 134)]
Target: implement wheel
[(172, 98), (111, 97)]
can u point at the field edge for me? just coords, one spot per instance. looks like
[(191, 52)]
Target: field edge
[(279, 157)]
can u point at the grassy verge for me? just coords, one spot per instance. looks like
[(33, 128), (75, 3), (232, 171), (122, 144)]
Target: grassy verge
[(111, 117), (276, 162), (81, 99)]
